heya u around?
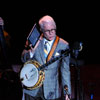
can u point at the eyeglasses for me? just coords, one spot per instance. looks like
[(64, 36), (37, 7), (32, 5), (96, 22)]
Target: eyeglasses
[(48, 31)]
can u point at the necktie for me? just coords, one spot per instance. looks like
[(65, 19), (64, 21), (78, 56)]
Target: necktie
[(45, 49)]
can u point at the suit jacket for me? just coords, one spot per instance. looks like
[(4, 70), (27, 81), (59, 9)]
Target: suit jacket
[(51, 84)]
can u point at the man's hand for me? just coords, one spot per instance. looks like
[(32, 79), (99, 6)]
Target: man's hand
[(66, 97)]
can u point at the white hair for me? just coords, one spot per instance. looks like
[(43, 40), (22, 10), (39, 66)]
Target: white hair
[(46, 19)]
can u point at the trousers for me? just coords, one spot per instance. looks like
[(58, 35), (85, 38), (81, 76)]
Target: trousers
[(40, 96), (28, 97)]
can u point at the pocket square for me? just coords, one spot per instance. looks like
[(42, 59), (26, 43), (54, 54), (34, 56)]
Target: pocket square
[(57, 54)]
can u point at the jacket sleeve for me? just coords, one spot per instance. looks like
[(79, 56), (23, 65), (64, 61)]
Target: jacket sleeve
[(65, 75), (25, 56)]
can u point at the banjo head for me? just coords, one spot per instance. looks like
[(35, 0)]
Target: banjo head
[(29, 75)]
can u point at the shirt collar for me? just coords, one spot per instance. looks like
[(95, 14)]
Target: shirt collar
[(49, 42)]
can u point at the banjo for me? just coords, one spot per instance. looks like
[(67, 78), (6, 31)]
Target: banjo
[(32, 73)]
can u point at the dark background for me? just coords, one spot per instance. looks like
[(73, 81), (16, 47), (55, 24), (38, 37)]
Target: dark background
[(79, 22), (76, 21)]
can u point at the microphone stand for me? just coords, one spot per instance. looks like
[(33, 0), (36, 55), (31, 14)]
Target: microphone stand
[(78, 84)]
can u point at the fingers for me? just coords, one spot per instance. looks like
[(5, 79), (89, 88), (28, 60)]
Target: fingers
[(67, 98)]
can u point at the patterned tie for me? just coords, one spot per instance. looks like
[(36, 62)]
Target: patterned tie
[(45, 49)]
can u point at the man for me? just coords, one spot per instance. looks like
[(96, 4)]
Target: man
[(51, 87), (6, 35), (5, 45)]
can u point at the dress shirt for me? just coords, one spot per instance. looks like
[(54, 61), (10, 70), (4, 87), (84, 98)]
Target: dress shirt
[(49, 44)]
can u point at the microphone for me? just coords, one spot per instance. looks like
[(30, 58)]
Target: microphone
[(77, 47), (81, 46)]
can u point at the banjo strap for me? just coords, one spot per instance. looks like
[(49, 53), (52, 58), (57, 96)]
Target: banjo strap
[(53, 48)]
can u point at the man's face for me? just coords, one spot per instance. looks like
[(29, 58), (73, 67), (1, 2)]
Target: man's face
[(49, 31)]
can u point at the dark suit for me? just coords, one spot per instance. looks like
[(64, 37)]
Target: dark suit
[(51, 87)]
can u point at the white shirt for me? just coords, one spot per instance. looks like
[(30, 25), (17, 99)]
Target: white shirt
[(49, 44)]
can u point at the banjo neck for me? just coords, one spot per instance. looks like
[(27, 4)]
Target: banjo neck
[(64, 54)]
